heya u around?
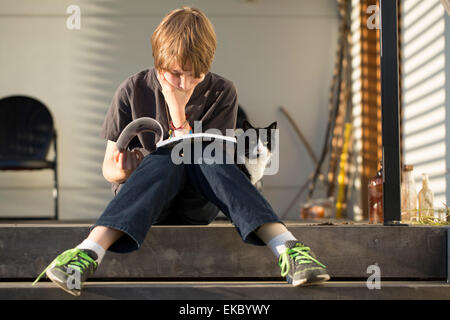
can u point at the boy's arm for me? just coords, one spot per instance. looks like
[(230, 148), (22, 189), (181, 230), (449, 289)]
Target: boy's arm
[(117, 166)]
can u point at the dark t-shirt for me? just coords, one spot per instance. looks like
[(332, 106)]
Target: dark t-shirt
[(214, 102)]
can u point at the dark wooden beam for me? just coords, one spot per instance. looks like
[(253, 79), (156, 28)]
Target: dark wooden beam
[(177, 292), (390, 113)]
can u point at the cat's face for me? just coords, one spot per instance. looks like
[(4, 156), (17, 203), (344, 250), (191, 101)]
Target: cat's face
[(262, 144)]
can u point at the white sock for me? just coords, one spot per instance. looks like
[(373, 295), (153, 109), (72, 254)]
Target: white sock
[(276, 244), (94, 246)]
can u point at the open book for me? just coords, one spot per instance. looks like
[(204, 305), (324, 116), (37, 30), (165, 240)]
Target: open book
[(146, 124)]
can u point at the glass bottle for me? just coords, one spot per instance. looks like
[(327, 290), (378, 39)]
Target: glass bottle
[(426, 199), (376, 197), (409, 194)]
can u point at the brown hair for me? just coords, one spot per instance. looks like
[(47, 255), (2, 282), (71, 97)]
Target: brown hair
[(185, 34)]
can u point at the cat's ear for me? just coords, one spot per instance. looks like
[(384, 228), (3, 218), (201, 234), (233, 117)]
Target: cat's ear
[(246, 125), (238, 132), (273, 125)]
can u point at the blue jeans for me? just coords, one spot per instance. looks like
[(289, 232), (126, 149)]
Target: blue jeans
[(150, 194)]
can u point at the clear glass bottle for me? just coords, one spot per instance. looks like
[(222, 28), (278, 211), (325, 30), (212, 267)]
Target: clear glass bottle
[(375, 194), (409, 194), (426, 199)]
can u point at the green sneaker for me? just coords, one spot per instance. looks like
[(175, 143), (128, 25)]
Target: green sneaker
[(300, 266), (70, 269)]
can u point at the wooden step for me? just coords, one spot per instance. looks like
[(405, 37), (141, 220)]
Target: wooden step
[(244, 290), (217, 252)]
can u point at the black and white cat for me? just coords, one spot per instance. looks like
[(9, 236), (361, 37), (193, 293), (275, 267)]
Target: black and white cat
[(257, 152)]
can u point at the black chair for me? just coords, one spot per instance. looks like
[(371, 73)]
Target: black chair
[(26, 133)]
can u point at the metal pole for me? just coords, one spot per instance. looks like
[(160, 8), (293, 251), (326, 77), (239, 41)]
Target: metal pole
[(448, 254), (390, 113), (55, 177)]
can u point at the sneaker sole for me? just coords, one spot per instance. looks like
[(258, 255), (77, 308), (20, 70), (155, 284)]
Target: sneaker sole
[(306, 282), (61, 285)]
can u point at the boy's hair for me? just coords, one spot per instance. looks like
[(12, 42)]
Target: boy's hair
[(185, 34)]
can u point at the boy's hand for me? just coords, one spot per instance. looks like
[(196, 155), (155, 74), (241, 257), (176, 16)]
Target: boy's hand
[(177, 98), (127, 161)]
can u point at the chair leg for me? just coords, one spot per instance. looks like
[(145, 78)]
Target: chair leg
[(55, 177), (55, 192)]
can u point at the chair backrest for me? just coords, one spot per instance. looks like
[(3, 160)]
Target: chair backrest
[(26, 128)]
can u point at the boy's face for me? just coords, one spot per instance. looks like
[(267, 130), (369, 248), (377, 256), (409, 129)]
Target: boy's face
[(182, 78)]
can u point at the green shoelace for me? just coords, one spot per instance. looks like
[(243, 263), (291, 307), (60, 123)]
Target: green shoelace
[(300, 254), (80, 263)]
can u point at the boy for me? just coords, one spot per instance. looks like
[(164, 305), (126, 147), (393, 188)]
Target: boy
[(151, 189)]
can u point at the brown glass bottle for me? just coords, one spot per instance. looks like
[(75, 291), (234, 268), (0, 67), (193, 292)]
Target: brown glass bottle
[(375, 195)]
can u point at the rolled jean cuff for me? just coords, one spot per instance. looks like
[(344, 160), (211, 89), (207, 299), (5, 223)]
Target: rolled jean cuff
[(249, 236), (128, 242)]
